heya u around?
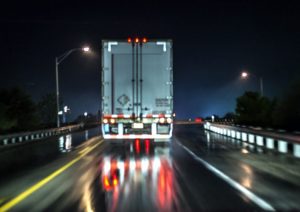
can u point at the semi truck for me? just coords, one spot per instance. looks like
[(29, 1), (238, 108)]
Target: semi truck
[(137, 89)]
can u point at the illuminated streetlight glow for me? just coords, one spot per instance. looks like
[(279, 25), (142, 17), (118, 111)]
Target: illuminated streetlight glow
[(86, 49), (244, 74)]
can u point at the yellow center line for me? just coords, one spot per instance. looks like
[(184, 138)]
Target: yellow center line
[(84, 150), (41, 183)]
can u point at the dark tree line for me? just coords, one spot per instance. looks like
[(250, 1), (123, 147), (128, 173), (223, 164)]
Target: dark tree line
[(253, 109), (287, 112), (257, 110), (46, 108), (18, 112)]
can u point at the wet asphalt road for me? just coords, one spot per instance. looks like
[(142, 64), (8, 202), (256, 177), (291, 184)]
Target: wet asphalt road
[(92, 175)]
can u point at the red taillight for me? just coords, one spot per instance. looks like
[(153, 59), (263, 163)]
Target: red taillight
[(137, 40), (161, 115), (145, 40), (129, 40), (198, 120)]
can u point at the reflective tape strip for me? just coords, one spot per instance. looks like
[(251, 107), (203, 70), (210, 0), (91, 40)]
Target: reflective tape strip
[(164, 44), (117, 116), (132, 136), (110, 44), (130, 116)]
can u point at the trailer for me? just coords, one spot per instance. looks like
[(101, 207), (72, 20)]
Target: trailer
[(137, 89)]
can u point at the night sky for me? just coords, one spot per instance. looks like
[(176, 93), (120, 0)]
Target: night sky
[(213, 42)]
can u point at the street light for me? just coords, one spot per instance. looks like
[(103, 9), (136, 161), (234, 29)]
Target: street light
[(86, 49), (245, 75), (58, 60)]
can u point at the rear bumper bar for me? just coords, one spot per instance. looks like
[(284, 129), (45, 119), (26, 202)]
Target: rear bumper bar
[(109, 136), (154, 134)]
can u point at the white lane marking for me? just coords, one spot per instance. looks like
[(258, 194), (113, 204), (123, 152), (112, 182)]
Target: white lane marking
[(254, 198)]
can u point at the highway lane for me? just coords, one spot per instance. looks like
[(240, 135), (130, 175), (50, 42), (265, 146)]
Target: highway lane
[(130, 176), (273, 176), (30, 161), (28, 155)]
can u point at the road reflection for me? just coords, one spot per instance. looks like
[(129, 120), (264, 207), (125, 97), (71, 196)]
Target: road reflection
[(65, 143), (247, 176), (137, 175)]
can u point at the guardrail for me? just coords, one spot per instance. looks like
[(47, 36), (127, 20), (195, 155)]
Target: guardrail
[(35, 135), (284, 143)]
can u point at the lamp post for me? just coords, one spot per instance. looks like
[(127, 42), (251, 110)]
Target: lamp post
[(58, 60), (245, 75)]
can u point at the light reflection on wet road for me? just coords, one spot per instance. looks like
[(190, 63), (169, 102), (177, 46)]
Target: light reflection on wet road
[(141, 175), (145, 176)]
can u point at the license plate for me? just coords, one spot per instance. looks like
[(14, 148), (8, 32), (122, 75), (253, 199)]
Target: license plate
[(137, 125)]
